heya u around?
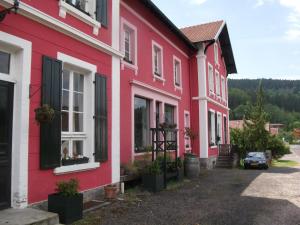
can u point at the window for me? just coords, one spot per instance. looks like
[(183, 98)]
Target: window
[(141, 123), (216, 51), (218, 84), (225, 130), (187, 140), (79, 4), (223, 89), (4, 62), (177, 72), (211, 128), (157, 60), (211, 82), (72, 117), (219, 129), (129, 44), (170, 120)]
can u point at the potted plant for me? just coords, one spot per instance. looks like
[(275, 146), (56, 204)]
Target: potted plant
[(67, 202), (153, 178), (110, 191), (44, 114), (191, 165)]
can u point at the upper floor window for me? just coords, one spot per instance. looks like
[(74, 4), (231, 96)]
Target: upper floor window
[(157, 53), (218, 84), (223, 89), (177, 72), (81, 5), (211, 82), (4, 62), (216, 53)]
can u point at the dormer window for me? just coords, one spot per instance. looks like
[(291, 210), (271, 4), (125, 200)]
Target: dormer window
[(216, 52)]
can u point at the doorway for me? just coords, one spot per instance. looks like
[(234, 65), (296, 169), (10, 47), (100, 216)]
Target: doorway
[(6, 117)]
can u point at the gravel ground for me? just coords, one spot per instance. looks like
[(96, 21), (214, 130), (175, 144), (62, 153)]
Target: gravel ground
[(218, 197)]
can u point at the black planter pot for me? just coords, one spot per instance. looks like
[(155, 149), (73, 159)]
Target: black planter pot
[(68, 162), (180, 176), (68, 208), (153, 183)]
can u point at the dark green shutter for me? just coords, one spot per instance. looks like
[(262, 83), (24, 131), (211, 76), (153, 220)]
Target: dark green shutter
[(101, 148), (101, 12), (50, 136)]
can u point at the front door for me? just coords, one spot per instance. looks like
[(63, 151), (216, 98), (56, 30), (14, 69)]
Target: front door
[(6, 115)]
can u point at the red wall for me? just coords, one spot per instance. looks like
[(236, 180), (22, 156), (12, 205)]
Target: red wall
[(46, 41), (144, 55)]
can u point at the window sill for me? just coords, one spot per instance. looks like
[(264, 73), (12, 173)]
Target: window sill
[(65, 8), (75, 168), (179, 88), (161, 79), (213, 146), (134, 67)]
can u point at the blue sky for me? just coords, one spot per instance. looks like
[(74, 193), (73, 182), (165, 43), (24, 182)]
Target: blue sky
[(265, 34)]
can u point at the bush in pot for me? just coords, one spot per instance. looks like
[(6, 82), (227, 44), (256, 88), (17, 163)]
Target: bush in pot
[(67, 202), (152, 178)]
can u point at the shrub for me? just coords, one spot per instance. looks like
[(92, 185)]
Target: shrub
[(68, 188), (277, 147), (153, 168)]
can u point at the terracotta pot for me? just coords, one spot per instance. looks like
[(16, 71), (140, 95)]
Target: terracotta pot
[(110, 192)]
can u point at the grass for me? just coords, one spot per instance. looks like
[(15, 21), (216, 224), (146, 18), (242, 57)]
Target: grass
[(284, 163)]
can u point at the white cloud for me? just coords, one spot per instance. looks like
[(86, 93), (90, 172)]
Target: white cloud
[(293, 19), (197, 2)]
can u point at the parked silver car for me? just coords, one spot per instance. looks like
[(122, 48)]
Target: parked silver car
[(256, 160)]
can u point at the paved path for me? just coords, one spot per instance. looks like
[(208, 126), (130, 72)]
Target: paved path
[(225, 197)]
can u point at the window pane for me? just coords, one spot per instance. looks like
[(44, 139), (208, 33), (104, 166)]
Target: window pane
[(65, 121), (65, 100), (78, 122), (66, 79), (65, 149), (141, 123), (4, 62), (77, 148), (78, 102), (78, 82), (169, 114)]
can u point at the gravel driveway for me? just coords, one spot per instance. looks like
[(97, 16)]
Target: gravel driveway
[(218, 197)]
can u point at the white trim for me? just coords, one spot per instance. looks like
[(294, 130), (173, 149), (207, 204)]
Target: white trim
[(209, 79), (156, 77), (211, 101), (65, 8), (76, 168), (115, 91), (138, 83), (133, 66), (217, 83), (55, 24), (20, 133), (203, 129), (220, 30), (177, 60), (140, 17)]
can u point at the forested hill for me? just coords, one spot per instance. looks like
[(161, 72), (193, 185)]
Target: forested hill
[(282, 98)]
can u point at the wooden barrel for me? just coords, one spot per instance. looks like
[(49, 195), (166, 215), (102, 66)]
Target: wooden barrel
[(192, 167)]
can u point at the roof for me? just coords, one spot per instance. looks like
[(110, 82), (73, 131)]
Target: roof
[(211, 32), (203, 32), (162, 17)]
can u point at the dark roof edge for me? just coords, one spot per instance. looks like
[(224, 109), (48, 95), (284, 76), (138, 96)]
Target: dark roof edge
[(168, 22)]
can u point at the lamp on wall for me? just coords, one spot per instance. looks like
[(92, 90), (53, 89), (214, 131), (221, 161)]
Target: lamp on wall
[(4, 12)]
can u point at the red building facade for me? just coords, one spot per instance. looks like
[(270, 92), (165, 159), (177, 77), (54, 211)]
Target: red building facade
[(111, 70)]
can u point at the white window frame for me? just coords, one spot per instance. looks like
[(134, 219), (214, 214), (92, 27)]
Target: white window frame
[(211, 80), (187, 124), (223, 85), (125, 25), (220, 127), (217, 81), (216, 53), (177, 61), (155, 76), (90, 7), (212, 129), (88, 70)]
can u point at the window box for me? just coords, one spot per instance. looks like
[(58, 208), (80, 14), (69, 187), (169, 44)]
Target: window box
[(68, 162)]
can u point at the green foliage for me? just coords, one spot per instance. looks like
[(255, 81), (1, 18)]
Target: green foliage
[(254, 136), (153, 168), (282, 99), (68, 188)]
